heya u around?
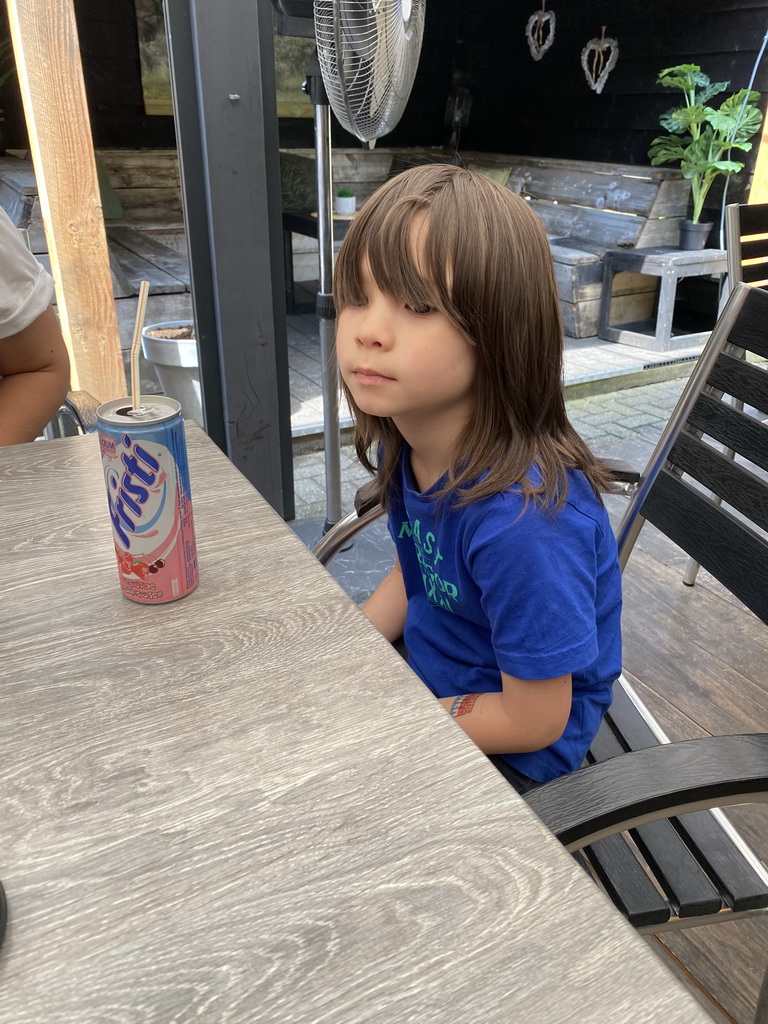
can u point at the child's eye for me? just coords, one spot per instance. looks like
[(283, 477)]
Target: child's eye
[(421, 310)]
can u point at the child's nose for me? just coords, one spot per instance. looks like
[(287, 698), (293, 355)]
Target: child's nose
[(375, 328)]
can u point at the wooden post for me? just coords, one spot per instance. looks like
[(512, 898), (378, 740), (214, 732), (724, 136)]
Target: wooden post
[(47, 54)]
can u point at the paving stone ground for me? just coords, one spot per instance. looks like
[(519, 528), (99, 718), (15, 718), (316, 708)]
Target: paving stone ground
[(622, 424)]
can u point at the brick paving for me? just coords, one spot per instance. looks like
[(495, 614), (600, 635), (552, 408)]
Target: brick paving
[(590, 363), (622, 424), (624, 421)]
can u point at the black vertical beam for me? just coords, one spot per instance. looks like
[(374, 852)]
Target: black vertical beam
[(222, 70)]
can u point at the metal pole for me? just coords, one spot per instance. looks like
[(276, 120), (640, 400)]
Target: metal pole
[(222, 67), (324, 302)]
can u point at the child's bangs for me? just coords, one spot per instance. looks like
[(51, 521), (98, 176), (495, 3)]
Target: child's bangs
[(399, 259)]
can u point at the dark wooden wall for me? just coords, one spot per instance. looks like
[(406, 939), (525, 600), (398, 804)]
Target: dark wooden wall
[(110, 53), (547, 108), (519, 105)]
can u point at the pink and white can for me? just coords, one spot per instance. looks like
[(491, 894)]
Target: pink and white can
[(144, 455)]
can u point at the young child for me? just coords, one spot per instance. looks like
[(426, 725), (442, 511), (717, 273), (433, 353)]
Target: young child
[(507, 585)]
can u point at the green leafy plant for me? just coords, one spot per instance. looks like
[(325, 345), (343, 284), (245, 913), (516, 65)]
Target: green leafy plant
[(703, 136), (345, 193)]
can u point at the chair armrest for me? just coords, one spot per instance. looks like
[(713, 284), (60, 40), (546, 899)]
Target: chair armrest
[(621, 471), (341, 533), (76, 415), (646, 785), (83, 406), (366, 497), (367, 509)]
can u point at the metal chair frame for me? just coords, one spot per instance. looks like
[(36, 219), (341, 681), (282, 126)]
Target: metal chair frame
[(644, 778), (76, 415)]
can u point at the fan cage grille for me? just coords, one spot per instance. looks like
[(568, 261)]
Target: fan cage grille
[(368, 51)]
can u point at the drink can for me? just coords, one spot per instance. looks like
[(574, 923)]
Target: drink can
[(144, 456)]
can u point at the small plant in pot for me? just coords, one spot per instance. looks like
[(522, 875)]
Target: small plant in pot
[(345, 202), (701, 138), (171, 348)]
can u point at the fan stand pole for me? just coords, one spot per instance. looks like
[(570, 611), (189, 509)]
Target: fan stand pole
[(324, 307)]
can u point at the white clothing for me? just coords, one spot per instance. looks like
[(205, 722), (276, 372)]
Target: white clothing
[(26, 289)]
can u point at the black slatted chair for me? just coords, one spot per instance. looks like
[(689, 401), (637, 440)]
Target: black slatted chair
[(639, 810), (643, 812), (746, 243)]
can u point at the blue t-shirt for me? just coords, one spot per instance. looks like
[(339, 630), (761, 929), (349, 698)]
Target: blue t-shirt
[(492, 586)]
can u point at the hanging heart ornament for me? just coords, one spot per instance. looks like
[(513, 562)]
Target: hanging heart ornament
[(598, 58), (540, 32)]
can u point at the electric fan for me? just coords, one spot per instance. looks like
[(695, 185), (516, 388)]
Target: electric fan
[(367, 54)]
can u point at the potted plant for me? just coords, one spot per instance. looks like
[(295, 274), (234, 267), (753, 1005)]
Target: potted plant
[(701, 138), (171, 348), (345, 202)]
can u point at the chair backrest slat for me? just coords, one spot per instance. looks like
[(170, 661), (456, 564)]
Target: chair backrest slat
[(755, 273), (754, 248), (713, 536), (740, 379), (728, 479), (736, 430), (753, 218), (749, 331)]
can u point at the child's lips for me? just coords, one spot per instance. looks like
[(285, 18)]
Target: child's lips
[(365, 376)]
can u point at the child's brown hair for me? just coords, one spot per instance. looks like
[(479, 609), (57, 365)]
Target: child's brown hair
[(485, 263)]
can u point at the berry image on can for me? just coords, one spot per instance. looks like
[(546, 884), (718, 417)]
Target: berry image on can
[(144, 457)]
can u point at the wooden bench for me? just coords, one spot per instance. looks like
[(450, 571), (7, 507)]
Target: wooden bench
[(586, 207)]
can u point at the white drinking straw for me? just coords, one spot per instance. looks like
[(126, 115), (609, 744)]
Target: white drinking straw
[(135, 347)]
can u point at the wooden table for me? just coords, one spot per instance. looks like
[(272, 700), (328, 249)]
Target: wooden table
[(243, 807)]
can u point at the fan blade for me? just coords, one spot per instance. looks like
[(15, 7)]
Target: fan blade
[(368, 52)]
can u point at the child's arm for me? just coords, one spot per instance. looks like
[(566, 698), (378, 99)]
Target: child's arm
[(34, 367), (387, 605), (527, 715)]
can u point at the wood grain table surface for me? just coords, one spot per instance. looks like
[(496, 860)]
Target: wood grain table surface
[(244, 807)]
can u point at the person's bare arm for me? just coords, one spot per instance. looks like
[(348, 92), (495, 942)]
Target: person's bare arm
[(34, 367), (387, 605), (527, 715)]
